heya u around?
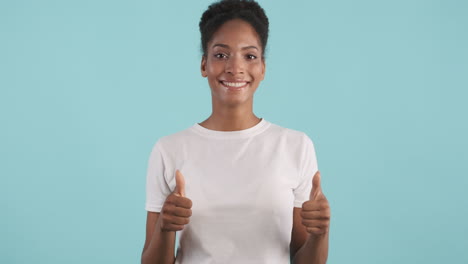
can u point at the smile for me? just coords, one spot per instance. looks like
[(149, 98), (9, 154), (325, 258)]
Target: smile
[(234, 85)]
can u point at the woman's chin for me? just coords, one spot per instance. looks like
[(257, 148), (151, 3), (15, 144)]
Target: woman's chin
[(233, 102)]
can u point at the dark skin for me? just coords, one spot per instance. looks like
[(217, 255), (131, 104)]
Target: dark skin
[(234, 55), (312, 223), (161, 227), (234, 66)]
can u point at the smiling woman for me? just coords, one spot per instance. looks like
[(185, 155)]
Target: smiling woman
[(234, 65), (238, 188)]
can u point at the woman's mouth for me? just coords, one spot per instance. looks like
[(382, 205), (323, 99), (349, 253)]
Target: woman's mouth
[(234, 85)]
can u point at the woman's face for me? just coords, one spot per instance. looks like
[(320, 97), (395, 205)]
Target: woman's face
[(233, 63)]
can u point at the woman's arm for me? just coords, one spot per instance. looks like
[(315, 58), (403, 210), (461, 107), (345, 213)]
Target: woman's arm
[(314, 251), (159, 245), (161, 227), (311, 225)]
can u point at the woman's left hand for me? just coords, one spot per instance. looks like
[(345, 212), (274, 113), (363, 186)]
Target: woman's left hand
[(316, 212)]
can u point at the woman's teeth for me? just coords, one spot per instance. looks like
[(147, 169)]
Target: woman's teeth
[(234, 84)]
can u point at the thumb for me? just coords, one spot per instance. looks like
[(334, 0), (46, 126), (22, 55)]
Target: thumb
[(316, 191), (180, 184)]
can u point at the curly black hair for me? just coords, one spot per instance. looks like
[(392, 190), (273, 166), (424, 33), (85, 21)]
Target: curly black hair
[(222, 11)]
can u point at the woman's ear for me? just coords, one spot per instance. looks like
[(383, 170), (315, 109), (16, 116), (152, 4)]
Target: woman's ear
[(263, 68), (203, 66)]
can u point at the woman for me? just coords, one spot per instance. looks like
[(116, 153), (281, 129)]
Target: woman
[(237, 187)]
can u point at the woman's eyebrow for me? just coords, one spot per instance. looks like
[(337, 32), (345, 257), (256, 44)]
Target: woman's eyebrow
[(227, 46)]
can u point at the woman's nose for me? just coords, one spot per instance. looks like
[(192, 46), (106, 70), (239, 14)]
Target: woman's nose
[(234, 65)]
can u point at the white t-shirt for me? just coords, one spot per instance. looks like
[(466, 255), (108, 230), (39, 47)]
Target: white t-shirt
[(243, 186)]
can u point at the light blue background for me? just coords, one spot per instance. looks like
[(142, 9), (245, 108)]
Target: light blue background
[(87, 87)]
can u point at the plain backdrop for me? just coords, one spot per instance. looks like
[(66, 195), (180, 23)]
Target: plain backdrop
[(87, 87)]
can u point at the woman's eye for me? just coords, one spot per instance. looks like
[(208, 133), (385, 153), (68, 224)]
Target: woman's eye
[(251, 57), (220, 56)]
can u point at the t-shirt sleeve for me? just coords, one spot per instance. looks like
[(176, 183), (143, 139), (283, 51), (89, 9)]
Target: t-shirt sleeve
[(307, 170), (157, 188)]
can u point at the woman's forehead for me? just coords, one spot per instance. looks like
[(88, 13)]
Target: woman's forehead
[(235, 34)]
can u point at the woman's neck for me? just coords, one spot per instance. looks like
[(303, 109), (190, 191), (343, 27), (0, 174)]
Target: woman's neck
[(230, 120)]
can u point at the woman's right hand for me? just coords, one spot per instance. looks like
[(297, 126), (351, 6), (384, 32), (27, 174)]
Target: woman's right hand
[(176, 211)]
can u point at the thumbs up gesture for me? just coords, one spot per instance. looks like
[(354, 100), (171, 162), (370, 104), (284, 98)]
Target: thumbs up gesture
[(176, 211), (316, 212)]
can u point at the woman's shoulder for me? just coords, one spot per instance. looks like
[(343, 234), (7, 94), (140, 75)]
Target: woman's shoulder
[(173, 139), (290, 133)]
